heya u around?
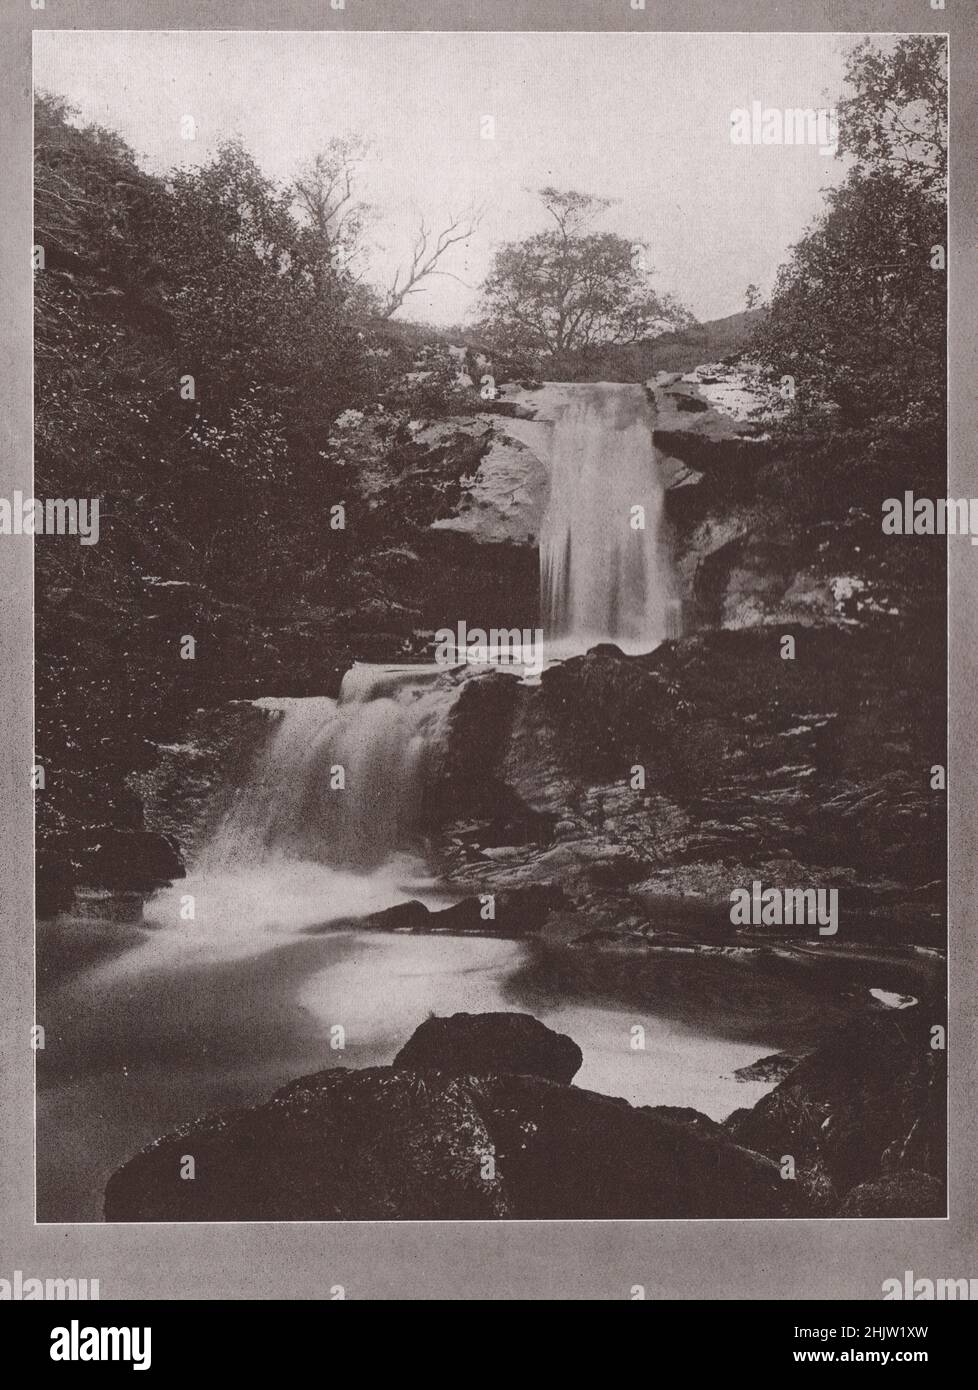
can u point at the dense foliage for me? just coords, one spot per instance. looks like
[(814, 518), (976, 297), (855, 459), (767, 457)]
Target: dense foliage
[(858, 315), (197, 339)]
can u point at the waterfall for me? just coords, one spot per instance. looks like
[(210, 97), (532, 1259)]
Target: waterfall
[(336, 791), (603, 570), (339, 781)]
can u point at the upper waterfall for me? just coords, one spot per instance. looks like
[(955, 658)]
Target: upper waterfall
[(603, 570)]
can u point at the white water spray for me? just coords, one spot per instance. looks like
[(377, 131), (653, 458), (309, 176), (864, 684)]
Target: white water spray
[(339, 782), (325, 826)]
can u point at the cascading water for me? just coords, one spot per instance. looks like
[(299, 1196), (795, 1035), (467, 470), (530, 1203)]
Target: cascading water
[(325, 827), (339, 781), (603, 569)]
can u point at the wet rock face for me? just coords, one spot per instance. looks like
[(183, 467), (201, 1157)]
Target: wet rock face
[(53, 882), (479, 1044), (192, 783), (105, 857), (809, 772), (867, 1105)]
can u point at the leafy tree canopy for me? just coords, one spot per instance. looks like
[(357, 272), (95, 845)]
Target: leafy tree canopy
[(569, 288)]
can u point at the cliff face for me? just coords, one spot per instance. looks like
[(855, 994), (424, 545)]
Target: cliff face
[(770, 530)]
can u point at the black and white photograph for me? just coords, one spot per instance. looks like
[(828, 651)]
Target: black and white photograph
[(490, 525)]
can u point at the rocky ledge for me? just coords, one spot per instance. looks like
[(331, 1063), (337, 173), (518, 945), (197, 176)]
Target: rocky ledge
[(650, 787), (476, 1119)]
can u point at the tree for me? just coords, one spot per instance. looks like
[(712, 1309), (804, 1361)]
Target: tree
[(753, 297), (325, 195), (896, 114), (427, 256), (857, 316), (568, 288), (257, 303)]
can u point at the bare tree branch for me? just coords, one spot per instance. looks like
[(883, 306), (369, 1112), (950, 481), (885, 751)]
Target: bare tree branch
[(428, 250), (325, 192)]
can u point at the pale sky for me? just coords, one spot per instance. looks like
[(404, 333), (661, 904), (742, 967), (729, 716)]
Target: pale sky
[(640, 117)]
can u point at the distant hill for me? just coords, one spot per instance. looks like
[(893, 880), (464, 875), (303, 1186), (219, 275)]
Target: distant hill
[(670, 352), (704, 342)]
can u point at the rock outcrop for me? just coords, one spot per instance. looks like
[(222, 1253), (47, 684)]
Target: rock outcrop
[(484, 1044), (423, 1142), (802, 773), (513, 913), (862, 1116), (476, 1120)]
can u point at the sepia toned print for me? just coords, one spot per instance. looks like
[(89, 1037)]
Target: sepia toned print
[(491, 730)]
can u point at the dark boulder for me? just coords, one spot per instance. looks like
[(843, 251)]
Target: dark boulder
[(606, 649), (569, 1153), (340, 1145), (385, 1143), (869, 1101), (487, 1044)]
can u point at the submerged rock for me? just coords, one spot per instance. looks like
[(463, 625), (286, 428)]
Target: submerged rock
[(514, 912), (411, 916), (483, 1044)]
